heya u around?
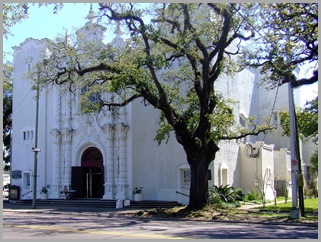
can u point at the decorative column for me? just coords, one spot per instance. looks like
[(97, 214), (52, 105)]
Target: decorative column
[(56, 187), (109, 167), (66, 131), (122, 185), (66, 159), (57, 149)]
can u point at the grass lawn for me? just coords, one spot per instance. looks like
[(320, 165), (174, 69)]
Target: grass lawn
[(310, 205), (282, 209)]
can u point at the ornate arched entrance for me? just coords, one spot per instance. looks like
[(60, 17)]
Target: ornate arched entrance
[(88, 180)]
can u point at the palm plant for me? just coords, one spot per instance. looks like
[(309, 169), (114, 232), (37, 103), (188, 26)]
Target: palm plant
[(224, 194)]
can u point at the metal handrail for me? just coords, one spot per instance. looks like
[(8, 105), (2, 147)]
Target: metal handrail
[(182, 194), (26, 193)]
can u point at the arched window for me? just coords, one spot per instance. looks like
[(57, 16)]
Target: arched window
[(90, 98), (93, 97), (92, 157)]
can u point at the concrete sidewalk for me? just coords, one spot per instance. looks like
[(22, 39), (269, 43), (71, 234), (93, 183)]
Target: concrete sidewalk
[(249, 205)]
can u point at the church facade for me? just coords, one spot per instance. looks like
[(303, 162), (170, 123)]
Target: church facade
[(106, 155)]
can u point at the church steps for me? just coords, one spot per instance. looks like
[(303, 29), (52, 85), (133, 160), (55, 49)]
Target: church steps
[(99, 203)]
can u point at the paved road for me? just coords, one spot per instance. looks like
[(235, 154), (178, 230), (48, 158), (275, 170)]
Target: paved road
[(91, 223)]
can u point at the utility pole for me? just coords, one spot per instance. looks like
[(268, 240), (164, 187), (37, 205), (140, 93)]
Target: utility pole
[(36, 149), (295, 212), (296, 173), (300, 175)]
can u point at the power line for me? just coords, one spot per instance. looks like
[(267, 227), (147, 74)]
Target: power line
[(273, 108), (21, 101), (253, 152)]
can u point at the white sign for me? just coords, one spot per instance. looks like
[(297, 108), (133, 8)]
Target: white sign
[(119, 203)]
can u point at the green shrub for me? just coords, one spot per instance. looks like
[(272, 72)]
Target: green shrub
[(239, 195), (224, 194), (252, 196)]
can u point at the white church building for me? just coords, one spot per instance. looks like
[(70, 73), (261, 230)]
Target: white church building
[(106, 155)]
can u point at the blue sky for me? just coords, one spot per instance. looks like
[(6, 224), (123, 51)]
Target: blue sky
[(42, 23)]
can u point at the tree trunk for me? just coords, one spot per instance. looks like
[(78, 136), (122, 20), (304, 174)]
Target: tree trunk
[(199, 182)]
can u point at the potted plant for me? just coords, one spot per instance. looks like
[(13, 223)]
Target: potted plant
[(138, 193), (44, 193)]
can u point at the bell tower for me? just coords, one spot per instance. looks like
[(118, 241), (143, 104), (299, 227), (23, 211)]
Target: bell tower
[(91, 32)]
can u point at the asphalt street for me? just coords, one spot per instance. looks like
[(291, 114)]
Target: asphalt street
[(21, 222)]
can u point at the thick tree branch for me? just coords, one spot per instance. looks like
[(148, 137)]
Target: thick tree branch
[(243, 135), (219, 50), (122, 104), (100, 67), (303, 81), (131, 18), (188, 26)]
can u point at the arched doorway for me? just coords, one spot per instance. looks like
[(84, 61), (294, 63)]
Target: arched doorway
[(88, 180)]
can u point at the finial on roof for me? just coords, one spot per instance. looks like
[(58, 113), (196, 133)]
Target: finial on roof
[(91, 14), (66, 37)]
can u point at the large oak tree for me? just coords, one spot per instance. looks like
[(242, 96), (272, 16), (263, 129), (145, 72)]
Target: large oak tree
[(174, 56)]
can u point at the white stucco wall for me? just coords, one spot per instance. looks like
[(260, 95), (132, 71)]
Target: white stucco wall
[(257, 172), (24, 116), (282, 164), (227, 159), (153, 167), (242, 88), (282, 172), (307, 150)]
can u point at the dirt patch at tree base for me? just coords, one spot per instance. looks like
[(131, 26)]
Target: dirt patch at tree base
[(228, 215)]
